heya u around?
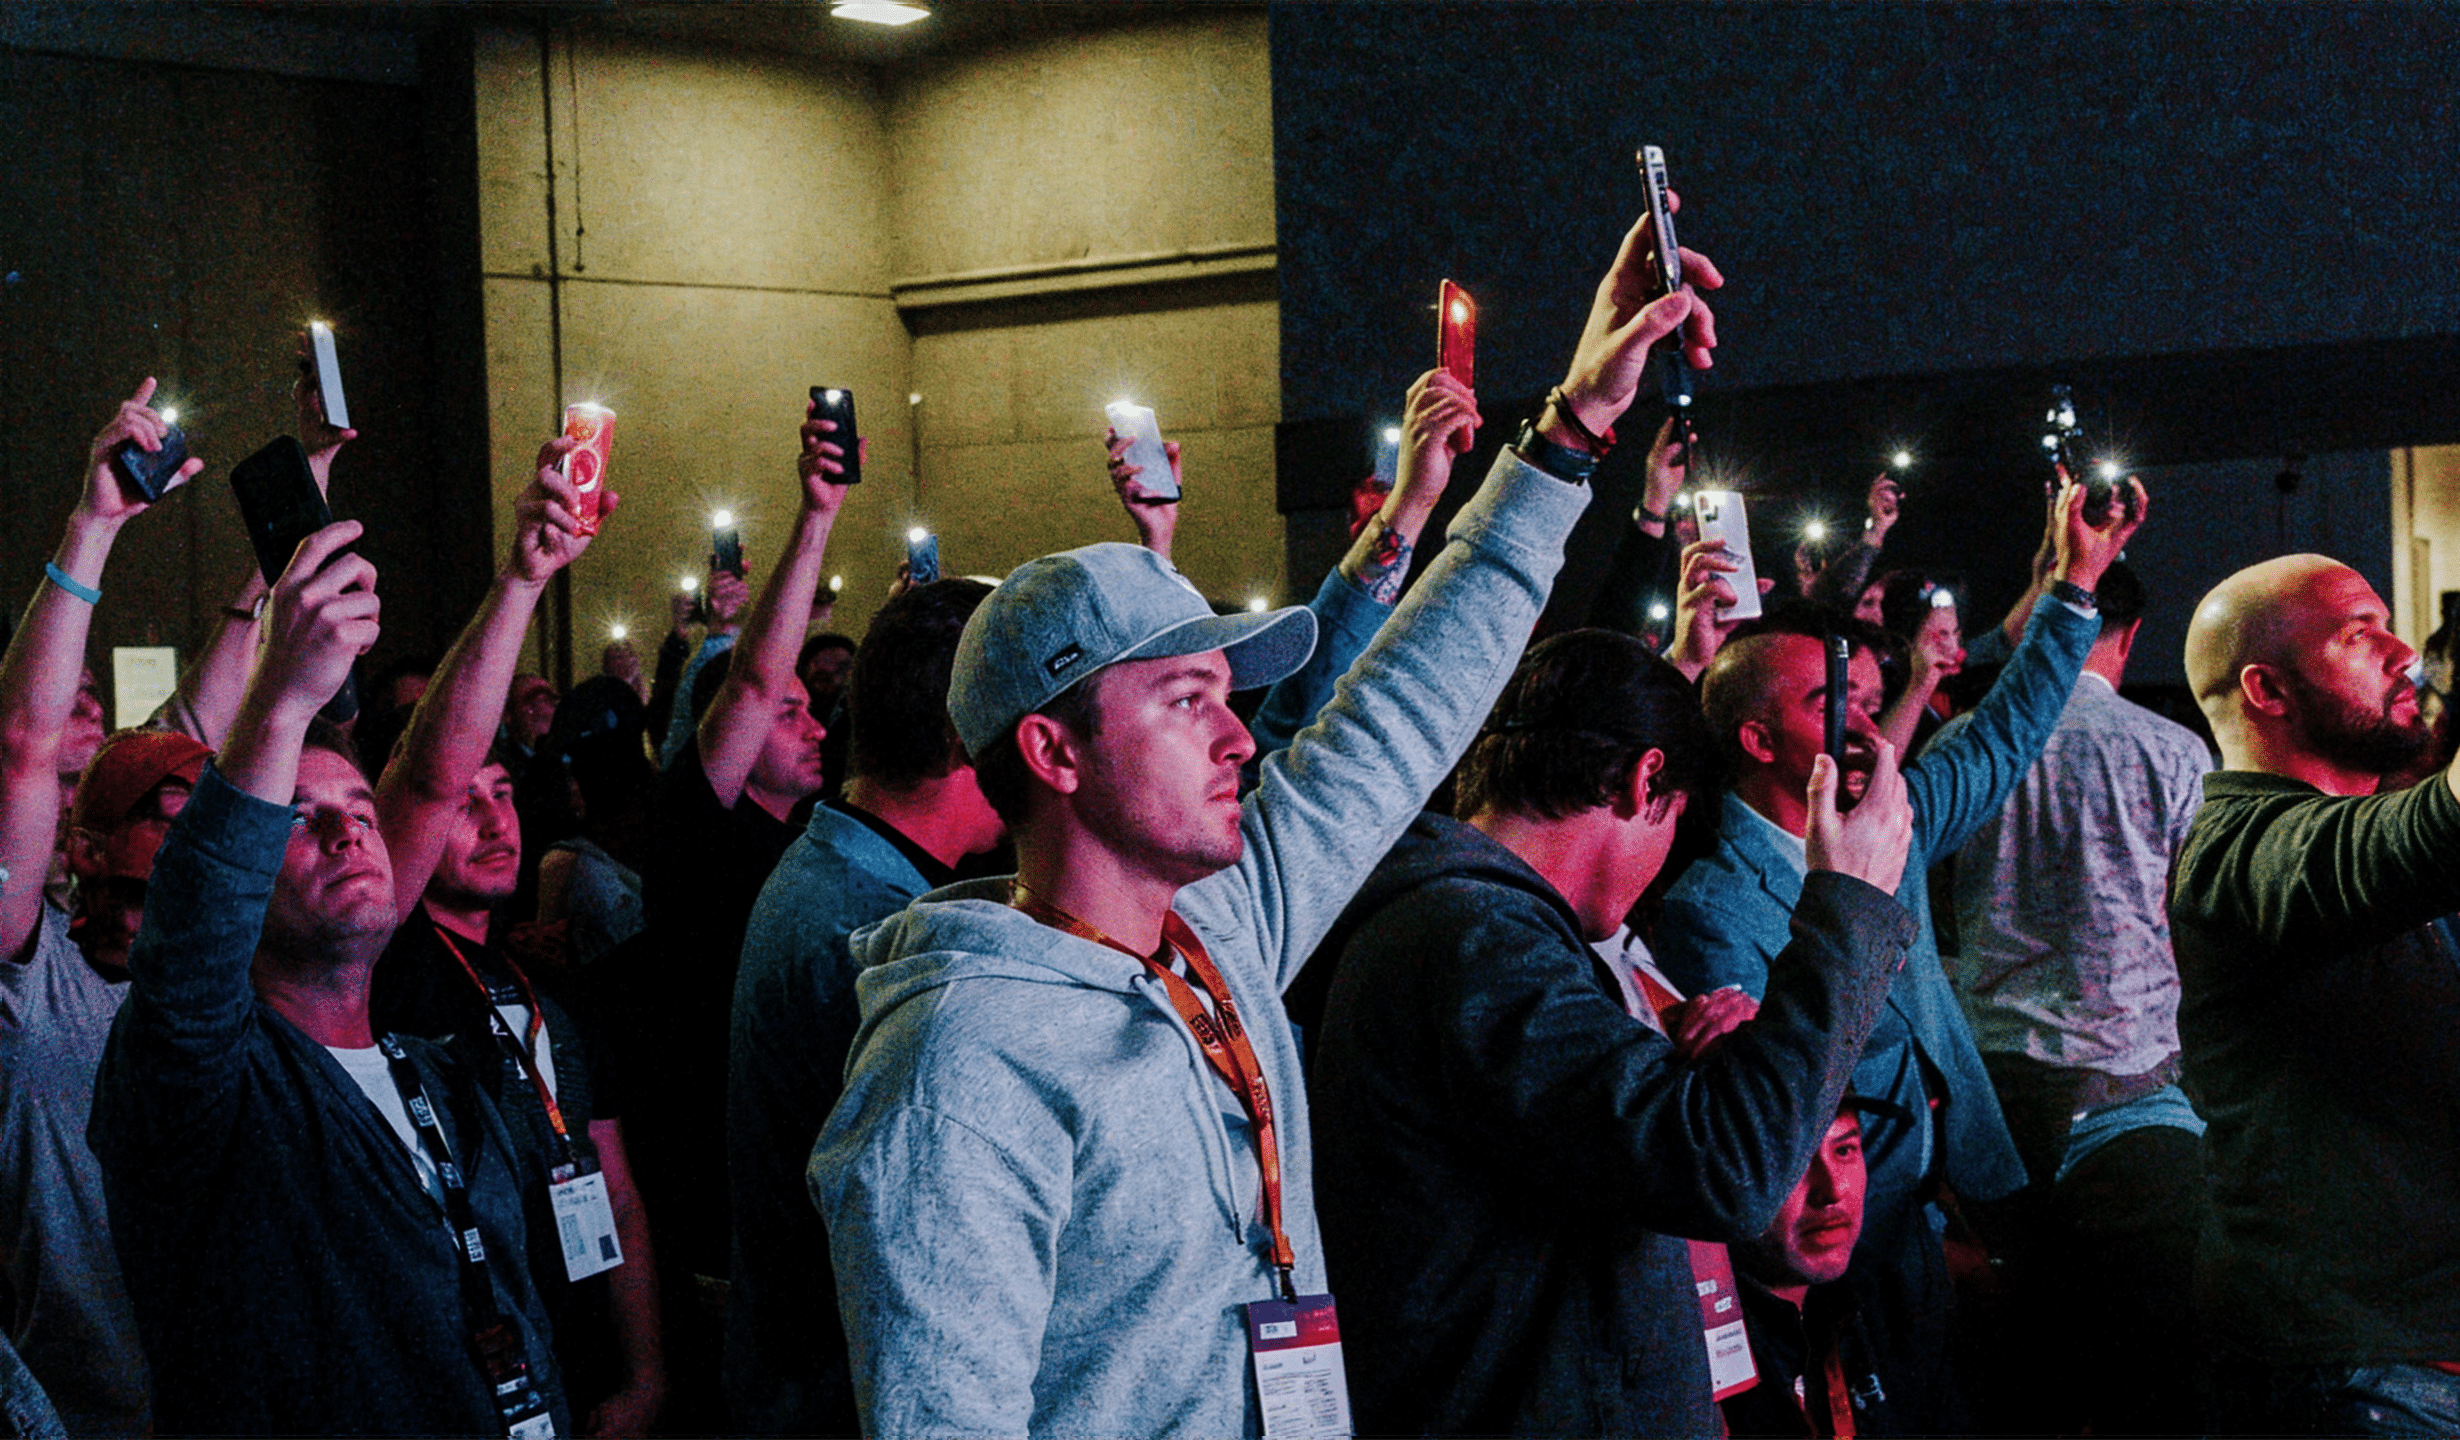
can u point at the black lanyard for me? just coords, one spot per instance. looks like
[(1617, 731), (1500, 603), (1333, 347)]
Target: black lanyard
[(493, 1336)]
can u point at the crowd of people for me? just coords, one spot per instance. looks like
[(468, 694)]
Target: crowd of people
[(1076, 1007)]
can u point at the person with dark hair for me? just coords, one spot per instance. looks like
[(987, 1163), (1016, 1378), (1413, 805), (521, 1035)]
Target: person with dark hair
[(1507, 1159), (727, 808), (1074, 1094), (2069, 981), (910, 812), (1766, 698), (64, 958), (1925, 614), (445, 805), (321, 1228), (2319, 966), (589, 878), (822, 666)]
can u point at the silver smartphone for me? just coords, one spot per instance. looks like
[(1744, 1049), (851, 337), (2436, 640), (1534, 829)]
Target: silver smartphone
[(1720, 514), (1135, 424), (329, 375)]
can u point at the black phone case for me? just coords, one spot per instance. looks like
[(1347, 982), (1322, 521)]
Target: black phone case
[(728, 545), (149, 472), (281, 506), (1840, 655), (845, 437)]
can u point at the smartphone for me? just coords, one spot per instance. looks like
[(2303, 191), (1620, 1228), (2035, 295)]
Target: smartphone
[(726, 542), (2063, 439), (838, 405), (149, 472), (1387, 458), (1677, 377), (1840, 658), (1720, 513), (1456, 346), (281, 506), (591, 428), (329, 375), (1135, 424), (922, 557)]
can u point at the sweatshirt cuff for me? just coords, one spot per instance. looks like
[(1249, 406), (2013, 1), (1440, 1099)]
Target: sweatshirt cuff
[(1522, 508), (1861, 909), (234, 827), (2062, 620)]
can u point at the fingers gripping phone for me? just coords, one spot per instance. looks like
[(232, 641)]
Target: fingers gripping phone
[(1456, 346), (281, 506), (1670, 275), (726, 543), (149, 472), (838, 405), (1840, 657), (1720, 513), (1135, 424)]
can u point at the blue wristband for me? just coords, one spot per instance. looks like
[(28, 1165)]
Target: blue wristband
[(60, 577)]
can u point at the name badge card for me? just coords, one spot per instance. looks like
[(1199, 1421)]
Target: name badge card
[(1730, 1371), (1297, 1349), (586, 1220)]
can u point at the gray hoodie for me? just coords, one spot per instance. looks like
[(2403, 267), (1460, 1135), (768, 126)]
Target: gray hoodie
[(1044, 1208)]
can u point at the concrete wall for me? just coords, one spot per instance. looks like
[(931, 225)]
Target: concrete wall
[(1017, 236), (2425, 536), (716, 249)]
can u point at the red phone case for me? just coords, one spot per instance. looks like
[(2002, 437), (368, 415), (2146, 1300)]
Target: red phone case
[(1456, 345)]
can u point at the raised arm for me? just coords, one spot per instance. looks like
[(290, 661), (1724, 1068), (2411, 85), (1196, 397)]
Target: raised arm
[(1842, 580), (426, 780), (38, 679), (1156, 521), (762, 673), (1354, 601), (1644, 572), (1332, 803)]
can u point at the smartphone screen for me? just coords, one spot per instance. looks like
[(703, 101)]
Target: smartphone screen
[(838, 405), (1840, 658), (1135, 424), (329, 375), (281, 506), (727, 542)]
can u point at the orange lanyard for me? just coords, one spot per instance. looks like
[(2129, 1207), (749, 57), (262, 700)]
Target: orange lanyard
[(1840, 1401), (1224, 1042), (525, 1049)]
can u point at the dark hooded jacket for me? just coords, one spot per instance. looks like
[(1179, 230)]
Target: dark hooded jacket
[(1504, 1157)]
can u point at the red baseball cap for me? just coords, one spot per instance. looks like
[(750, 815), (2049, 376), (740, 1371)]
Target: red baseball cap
[(124, 771)]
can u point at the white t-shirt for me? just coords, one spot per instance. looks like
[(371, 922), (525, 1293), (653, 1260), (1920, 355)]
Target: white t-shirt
[(517, 1020), (375, 1076)]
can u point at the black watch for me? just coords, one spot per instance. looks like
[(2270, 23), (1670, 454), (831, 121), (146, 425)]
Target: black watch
[(1561, 461), (2076, 595)]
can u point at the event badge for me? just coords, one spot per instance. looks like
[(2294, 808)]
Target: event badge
[(586, 1220), (1730, 1371), (540, 1426), (1297, 1349)]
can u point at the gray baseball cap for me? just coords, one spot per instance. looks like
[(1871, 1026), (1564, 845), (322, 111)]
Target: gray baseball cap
[(1058, 619)]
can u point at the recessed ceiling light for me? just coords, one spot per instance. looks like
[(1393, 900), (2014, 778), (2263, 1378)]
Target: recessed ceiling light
[(880, 12)]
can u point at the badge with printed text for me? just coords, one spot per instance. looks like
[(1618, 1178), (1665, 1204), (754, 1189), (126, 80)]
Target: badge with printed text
[(1297, 1350), (585, 1220), (1730, 1369)]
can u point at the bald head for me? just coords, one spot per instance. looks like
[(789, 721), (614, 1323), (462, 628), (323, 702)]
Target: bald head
[(1741, 683), (2265, 614)]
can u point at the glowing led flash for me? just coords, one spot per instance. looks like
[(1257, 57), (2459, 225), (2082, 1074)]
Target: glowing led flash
[(880, 12), (1460, 313), (170, 414), (618, 630), (917, 535), (1259, 605), (690, 583), (2109, 470), (1904, 459), (722, 519), (914, 398), (1657, 611), (1392, 434), (832, 396), (836, 583), (1816, 530)]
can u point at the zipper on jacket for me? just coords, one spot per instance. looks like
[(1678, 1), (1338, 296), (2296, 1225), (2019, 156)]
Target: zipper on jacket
[(1226, 1184)]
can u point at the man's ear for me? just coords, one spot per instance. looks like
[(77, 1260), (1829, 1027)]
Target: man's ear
[(85, 854), (1052, 754), (1631, 797), (2262, 688), (1757, 741)]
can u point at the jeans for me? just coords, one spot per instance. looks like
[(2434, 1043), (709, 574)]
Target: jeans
[(2395, 1399)]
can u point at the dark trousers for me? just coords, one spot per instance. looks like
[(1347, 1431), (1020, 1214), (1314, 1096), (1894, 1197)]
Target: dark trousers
[(2101, 1266)]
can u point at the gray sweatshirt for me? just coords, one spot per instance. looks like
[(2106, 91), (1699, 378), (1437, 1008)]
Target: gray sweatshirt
[(1044, 1208)]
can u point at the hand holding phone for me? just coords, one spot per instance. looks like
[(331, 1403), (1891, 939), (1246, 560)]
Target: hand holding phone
[(837, 407), (281, 505), (1155, 476), (725, 545), (1669, 264), (328, 374), (1456, 346), (591, 429), (1720, 513)]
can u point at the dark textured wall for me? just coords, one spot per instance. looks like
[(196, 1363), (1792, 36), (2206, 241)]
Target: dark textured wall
[(1891, 188), (184, 223)]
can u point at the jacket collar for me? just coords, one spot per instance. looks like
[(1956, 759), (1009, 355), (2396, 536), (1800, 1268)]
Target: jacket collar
[(1746, 836)]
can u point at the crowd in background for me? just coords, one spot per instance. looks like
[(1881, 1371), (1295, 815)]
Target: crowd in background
[(980, 1025)]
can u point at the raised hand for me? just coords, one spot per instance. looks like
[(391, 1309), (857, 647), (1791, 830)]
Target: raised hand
[(546, 535), (1627, 318), (105, 497), (323, 615), (2085, 550), (1438, 409), (821, 462), (1702, 598), (1156, 519), (1703, 1020), (1869, 841), (1669, 465), (1881, 505)]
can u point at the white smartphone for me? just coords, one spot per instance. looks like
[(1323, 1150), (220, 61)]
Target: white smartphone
[(329, 375), (1136, 425), (1721, 518)]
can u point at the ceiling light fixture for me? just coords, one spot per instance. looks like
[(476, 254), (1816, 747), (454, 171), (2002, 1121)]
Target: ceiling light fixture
[(880, 12)]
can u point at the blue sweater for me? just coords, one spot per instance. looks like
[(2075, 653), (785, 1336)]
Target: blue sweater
[(291, 1274)]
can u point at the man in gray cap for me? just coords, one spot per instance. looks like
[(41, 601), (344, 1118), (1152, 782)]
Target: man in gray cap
[(1072, 1156)]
